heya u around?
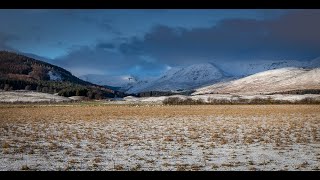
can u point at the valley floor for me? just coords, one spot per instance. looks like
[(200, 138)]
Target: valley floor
[(143, 137)]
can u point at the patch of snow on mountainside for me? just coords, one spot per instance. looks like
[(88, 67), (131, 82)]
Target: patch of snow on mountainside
[(54, 76)]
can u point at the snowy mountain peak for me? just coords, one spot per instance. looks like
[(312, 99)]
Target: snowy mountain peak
[(184, 78), (197, 73)]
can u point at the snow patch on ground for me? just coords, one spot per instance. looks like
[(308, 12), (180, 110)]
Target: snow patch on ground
[(29, 96), (58, 138)]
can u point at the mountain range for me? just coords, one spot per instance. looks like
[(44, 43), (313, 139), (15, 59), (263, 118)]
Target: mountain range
[(199, 75)]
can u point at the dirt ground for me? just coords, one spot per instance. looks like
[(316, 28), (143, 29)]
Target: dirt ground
[(145, 137)]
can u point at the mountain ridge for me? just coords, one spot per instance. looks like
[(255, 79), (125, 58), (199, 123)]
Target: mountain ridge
[(185, 78), (238, 70), (271, 81)]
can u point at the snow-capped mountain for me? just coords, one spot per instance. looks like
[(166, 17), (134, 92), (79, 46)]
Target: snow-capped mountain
[(137, 83), (271, 81), (251, 67), (185, 78)]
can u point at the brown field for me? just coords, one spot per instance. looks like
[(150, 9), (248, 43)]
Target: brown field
[(136, 137)]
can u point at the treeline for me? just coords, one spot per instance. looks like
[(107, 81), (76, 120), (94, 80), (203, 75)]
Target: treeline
[(179, 101), (66, 89), (162, 93), (90, 93), (255, 101), (302, 91), (41, 86)]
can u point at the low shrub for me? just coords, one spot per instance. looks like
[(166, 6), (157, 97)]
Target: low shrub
[(238, 101)]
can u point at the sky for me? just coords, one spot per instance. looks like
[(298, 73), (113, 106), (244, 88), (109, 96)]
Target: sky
[(144, 42)]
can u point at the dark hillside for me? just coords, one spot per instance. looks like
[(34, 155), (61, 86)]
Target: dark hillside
[(21, 72)]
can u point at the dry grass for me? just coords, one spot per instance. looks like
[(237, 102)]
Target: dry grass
[(25, 168), (253, 137)]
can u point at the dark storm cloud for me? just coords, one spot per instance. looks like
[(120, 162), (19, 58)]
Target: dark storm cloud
[(92, 58), (292, 36), (104, 59), (50, 33)]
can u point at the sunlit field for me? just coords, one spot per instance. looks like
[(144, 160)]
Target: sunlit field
[(145, 137)]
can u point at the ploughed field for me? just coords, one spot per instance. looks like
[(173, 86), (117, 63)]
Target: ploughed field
[(144, 137)]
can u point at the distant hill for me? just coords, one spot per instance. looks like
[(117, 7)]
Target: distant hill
[(21, 72), (285, 80)]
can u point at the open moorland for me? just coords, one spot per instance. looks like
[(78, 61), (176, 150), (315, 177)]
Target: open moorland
[(145, 137)]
